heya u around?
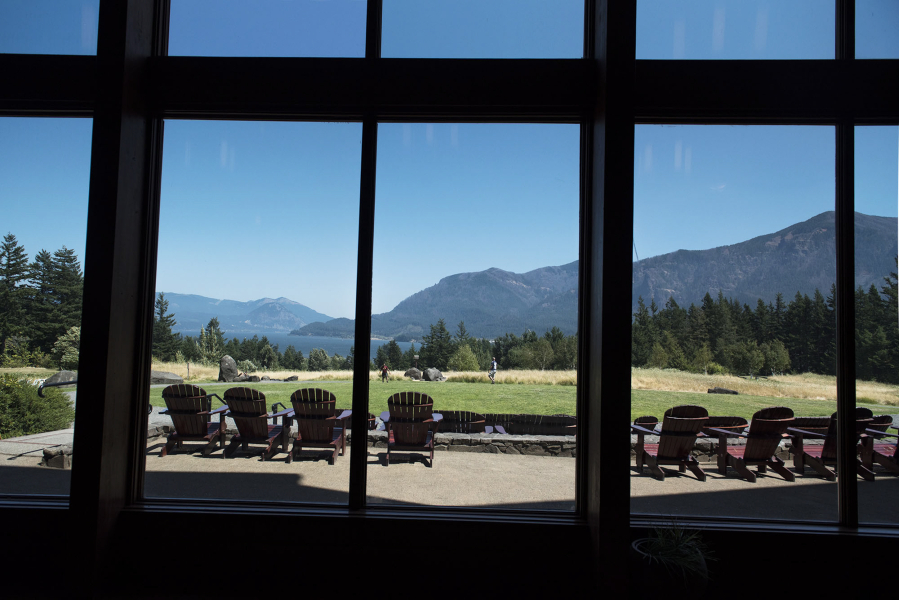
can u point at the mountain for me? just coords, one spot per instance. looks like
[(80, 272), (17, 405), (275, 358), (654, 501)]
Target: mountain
[(493, 302), (193, 312), (801, 257)]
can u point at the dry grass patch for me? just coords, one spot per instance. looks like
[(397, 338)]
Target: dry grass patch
[(516, 376), (806, 386)]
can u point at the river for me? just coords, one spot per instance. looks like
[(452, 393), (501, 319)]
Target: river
[(305, 343)]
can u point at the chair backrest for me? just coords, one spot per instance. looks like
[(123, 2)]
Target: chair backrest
[(647, 421), (526, 424), (766, 432), (247, 408), (881, 423), (680, 426), (183, 402), (410, 406), (314, 410), (408, 413), (462, 421), (735, 424), (863, 418)]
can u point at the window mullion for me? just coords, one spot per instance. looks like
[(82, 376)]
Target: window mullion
[(362, 356)]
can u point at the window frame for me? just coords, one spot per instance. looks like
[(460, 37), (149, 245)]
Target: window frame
[(131, 86)]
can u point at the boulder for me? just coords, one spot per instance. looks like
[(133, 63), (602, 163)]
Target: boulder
[(254, 378), (228, 369), (292, 378), (58, 457), (241, 378), (164, 377), (413, 373), (720, 390), (432, 374), (63, 376)]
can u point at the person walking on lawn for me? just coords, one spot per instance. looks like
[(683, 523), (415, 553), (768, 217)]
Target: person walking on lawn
[(492, 373), (385, 373)]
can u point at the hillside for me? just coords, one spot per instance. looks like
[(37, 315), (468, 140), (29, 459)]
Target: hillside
[(801, 257), (282, 314)]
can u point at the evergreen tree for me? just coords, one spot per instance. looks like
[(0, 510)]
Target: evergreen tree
[(67, 285), (14, 271), (43, 329), (394, 355), (437, 347), (462, 336), (165, 343)]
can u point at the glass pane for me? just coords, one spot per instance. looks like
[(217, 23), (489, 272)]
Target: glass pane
[(257, 238), (476, 29), (475, 258), (877, 318), (48, 26), (876, 23), (734, 267), (735, 29), (44, 183), (267, 28)]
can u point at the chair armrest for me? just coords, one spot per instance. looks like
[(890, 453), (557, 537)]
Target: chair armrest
[(286, 412), (644, 430), (500, 429), (726, 432), (872, 433), (803, 432), (163, 411), (385, 416), (344, 415), (437, 416), (218, 410)]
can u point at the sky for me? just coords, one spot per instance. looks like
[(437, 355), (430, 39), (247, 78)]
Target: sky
[(260, 209)]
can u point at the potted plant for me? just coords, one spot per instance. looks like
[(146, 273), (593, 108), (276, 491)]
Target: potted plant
[(671, 561)]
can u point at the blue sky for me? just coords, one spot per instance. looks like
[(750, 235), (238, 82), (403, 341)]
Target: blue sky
[(271, 209)]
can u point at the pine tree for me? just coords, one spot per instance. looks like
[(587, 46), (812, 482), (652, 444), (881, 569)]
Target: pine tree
[(165, 343), (14, 271), (44, 331), (437, 347)]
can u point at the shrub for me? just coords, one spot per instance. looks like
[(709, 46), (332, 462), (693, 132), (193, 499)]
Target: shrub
[(23, 412)]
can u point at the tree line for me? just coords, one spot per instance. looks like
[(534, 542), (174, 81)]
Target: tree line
[(462, 352), (721, 335), (40, 306)]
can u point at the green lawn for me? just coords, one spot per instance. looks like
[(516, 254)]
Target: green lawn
[(536, 399)]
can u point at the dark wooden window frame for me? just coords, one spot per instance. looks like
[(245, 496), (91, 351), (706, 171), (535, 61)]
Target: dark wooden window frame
[(131, 86)]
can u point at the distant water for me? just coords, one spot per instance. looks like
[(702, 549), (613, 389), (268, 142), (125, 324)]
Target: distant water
[(305, 343)]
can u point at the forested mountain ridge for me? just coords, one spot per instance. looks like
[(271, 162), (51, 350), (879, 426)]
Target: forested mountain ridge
[(265, 314), (491, 303), (800, 258)]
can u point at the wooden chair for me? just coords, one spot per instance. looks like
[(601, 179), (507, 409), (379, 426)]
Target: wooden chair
[(680, 427), (462, 421), (884, 454), (319, 423), (411, 424), (820, 456), (766, 431), (247, 408), (190, 409)]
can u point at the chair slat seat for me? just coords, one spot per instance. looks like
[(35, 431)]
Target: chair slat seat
[(412, 424), (189, 407), (873, 449), (247, 407), (319, 423), (820, 456), (681, 426), (763, 437)]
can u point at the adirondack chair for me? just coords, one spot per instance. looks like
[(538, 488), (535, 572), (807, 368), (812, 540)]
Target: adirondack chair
[(247, 407), (766, 431), (883, 453), (462, 421), (411, 423), (190, 409), (680, 427), (819, 456), (319, 423)]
